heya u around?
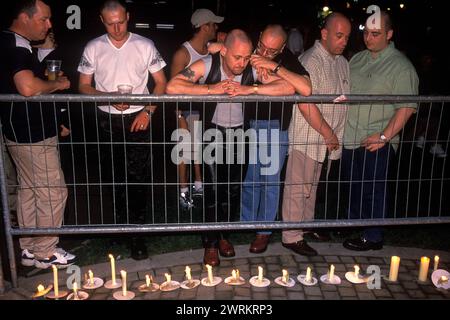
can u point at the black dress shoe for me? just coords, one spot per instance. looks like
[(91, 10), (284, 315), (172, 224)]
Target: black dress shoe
[(362, 244), (319, 236), (138, 249), (301, 247)]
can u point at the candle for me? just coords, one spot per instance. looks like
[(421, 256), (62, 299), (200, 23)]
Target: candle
[(148, 281), (210, 274), (234, 275), (436, 263), (124, 282), (356, 271), (168, 277), (285, 277), (423, 272), (260, 274), (393, 272), (238, 276), (331, 274), (75, 289), (188, 273), (55, 281), (91, 277), (40, 288), (113, 269), (308, 275)]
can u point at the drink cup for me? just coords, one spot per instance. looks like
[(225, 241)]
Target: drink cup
[(125, 88), (53, 69)]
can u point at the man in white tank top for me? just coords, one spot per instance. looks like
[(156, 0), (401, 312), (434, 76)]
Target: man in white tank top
[(204, 23)]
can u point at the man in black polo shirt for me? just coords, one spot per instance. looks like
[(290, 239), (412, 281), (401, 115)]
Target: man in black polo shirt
[(261, 187), (30, 131)]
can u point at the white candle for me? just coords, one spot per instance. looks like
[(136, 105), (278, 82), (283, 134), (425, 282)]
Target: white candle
[(308, 275), (331, 275), (210, 274), (168, 277), (113, 269), (55, 280), (124, 282), (188, 273), (356, 271), (147, 280), (260, 274), (75, 288), (285, 277), (423, 272), (91, 277), (436, 263), (393, 272), (233, 274)]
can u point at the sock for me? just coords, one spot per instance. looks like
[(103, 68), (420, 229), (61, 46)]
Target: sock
[(198, 185), (184, 190)]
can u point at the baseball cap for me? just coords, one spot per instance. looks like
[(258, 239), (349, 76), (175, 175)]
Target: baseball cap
[(203, 16)]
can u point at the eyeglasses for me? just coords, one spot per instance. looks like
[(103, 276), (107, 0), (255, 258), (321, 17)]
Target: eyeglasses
[(263, 49)]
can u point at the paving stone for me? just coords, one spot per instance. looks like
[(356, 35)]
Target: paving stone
[(239, 291), (241, 298), (346, 259), (223, 287), (277, 292), (435, 297), (296, 296), (314, 298), (395, 288), (410, 285), (312, 291), (408, 263), (99, 296), (178, 269), (274, 268), (429, 289), (257, 260), (223, 295), (205, 293), (376, 261), (300, 258), (240, 262), (382, 293), (261, 296), (416, 294), (226, 263), (317, 259), (366, 296), (362, 288), (328, 287), (347, 292), (349, 298), (331, 295), (188, 294), (332, 259), (287, 261), (170, 295), (341, 268), (296, 288), (360, 260), (270, 260), (153, 295), (401, 296)]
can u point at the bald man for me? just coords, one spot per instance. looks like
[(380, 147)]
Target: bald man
[(227, 72), (316, 130)]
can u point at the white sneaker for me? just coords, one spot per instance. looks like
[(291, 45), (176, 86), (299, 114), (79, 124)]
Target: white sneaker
[(57, 259), (66, 254), (27, 258), (438, 151), (420, 143)]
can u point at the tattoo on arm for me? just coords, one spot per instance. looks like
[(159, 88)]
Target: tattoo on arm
[(188, 73)]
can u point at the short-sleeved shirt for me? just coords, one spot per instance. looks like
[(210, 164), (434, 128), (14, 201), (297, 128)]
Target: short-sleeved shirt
[(29, 122), (390, 73), (129, 64), (329, 74)]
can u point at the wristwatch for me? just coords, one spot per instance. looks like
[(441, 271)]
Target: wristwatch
[(149, 112), (383, 137)]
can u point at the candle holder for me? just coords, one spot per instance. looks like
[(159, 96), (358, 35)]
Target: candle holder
[(118, 295), (97, 283), (109, 284), (80, 295), (334, 280), (190, 284), (215, 282), (254, 281), (302, 279), (151, 288), (42, 293), (436, 278), (235, 282), (169, 286), (356, 279), (290, 283), (61, 294)]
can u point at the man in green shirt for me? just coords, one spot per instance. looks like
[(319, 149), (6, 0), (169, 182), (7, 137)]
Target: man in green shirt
[(371, 131)]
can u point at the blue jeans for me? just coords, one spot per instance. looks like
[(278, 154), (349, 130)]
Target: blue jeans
[(367, 173), (261, 187)]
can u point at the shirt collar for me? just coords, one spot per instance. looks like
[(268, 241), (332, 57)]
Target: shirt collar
[(324, 52)]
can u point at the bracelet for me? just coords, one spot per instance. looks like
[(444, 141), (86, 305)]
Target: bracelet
[(255, 88), (277, 68), (149, 112)]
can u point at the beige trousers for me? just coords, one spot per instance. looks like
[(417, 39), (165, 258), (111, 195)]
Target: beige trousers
[(42, 193), (299, 196)]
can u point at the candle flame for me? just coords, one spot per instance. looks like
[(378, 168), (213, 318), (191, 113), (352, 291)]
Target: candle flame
[(40, 288)]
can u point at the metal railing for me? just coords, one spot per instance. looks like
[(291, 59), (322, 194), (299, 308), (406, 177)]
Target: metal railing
[(419, 182)]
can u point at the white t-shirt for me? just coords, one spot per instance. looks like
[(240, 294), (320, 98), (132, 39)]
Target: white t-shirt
[(129, 64)]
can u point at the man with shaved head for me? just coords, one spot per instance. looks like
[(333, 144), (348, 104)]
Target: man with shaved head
[(227, 72), (371, 131), (316, 129)]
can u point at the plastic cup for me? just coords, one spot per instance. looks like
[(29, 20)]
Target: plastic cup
[(53, 69), (124, 88)]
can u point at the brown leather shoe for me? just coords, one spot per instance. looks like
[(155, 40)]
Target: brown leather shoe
[(226, 248), (211, 257), (301, 247), (259, 245)]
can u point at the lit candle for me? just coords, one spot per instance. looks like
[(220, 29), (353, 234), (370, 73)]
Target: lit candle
[(55, 280), (260, 274), (423, 272), (443, 280), (91, 277), (436, 263), (356, 271), (308, 275), (233, 274), (331, 274), (210, 274), (75, 289), (148, 281), (238, 276), (168, 277), (393, 272), (113, 269), (188, 273), (124, 282), (285, 277)]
